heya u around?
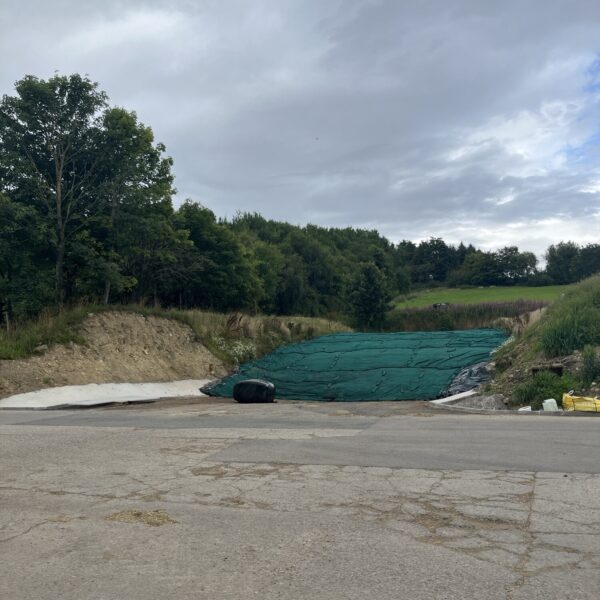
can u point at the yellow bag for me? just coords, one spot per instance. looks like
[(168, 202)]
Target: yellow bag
[(580, 403)]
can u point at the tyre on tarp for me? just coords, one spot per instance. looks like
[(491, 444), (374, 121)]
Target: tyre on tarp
[(252, 391)]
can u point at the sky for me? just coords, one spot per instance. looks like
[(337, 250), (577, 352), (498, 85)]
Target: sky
[(475, 121)]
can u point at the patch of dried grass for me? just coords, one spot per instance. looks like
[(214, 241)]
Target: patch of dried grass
[(153, 518)]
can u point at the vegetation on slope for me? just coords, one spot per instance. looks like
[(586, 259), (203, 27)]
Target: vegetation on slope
[(567, 337), (460, 316), (232, 337)]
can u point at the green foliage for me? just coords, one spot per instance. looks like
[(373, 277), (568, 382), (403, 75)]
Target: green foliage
[(561, 259), (507, 266), (590, 369), (573, 322), (568, 262), (86, 215), (83, 171), (432, 260), (312, 270), (49, 148), (220, 273), (370, 297), (26, 273), (541, 386)]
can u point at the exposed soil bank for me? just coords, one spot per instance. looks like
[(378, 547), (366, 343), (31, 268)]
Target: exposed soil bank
[(119, 347)]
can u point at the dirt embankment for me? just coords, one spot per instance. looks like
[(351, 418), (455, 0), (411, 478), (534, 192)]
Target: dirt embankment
[(119, 347), (517, 325)]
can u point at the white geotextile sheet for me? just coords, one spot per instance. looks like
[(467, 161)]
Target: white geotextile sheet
[(103, 393)]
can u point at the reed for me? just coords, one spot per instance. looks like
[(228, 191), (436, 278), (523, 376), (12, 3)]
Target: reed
[(458, 316)]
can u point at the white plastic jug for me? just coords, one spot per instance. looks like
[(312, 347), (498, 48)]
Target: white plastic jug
[(550, 405)]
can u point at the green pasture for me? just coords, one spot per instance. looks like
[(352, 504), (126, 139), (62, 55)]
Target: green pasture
[(479, 295)]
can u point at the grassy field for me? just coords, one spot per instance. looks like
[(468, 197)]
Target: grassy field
[(480, 295)]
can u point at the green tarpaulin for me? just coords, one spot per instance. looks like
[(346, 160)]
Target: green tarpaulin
[(368, 366)]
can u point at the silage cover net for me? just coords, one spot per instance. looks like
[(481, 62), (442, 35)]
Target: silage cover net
[(368, 366)]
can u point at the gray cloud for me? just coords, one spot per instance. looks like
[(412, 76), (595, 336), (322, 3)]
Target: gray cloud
[(468, 120)]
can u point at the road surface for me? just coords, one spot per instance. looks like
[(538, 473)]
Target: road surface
[(298, 500)]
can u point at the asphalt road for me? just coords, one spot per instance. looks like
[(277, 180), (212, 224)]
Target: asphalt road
[(297, 500)]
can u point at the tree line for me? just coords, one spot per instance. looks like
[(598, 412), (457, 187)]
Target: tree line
[(87, 215)]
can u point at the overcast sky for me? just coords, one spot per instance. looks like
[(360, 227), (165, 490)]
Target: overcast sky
[(473, 120)]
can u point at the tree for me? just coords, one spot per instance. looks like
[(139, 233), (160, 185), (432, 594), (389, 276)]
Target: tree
[(225, 278), (370, 297), (402, 280), (134, 173), (89, 171), (587, 262), (49, 135), (432, 261), (293, 294), (479, 268), (561, 260), (515, 266), (268, 263), (25, 271)]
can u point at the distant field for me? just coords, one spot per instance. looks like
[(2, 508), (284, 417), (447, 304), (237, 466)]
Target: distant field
[(478, 295)]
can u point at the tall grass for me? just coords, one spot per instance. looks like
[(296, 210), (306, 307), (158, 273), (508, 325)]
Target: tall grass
[(230, 336), (458, 316), (572, 322), (237, 337), (47, 329), (590, 368)]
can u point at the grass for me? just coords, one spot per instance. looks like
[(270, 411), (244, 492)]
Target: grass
[(48, 329), (546, 294), (458, 316), (237, 337), (590, 368), (232, 337)]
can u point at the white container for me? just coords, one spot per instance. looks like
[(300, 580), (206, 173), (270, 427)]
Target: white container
[(550, 405)]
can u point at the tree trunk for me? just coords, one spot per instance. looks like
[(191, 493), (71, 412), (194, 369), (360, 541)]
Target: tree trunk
[(60, 227), (106, 292), (60, 271), (6, 312), (113, 218)]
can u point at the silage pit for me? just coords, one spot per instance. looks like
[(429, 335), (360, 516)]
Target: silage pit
[(354, 367)]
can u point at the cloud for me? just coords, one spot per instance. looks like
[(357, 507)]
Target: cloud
[(467, 120)]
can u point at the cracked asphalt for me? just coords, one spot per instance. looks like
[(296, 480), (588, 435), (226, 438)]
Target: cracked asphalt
[(297, 500)]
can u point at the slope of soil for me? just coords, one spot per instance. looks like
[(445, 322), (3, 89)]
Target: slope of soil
[(119, 347)]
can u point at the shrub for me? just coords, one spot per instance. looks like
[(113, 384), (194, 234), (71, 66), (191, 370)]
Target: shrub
[(591, 366), (541, 386)]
